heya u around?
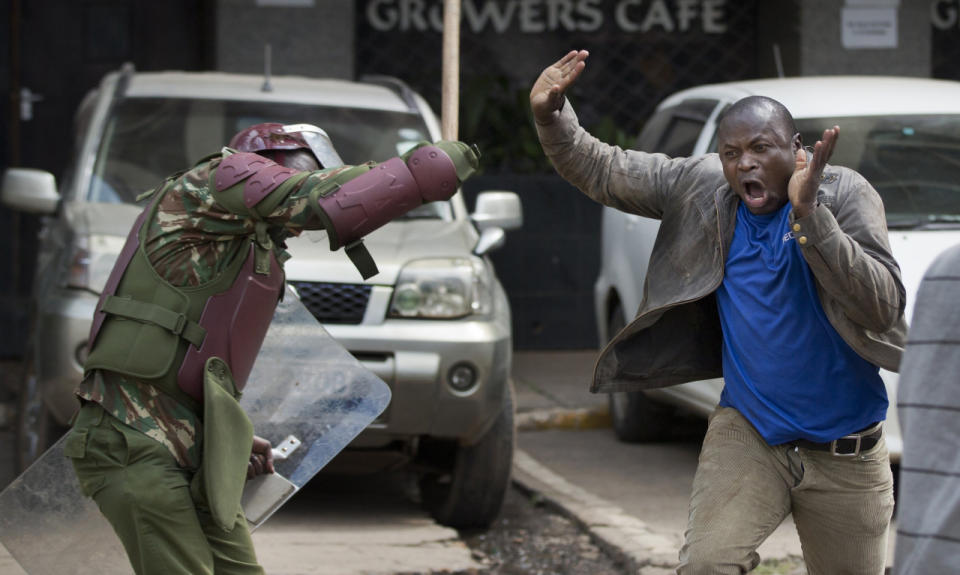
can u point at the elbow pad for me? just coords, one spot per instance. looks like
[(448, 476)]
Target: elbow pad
[(357, 207)]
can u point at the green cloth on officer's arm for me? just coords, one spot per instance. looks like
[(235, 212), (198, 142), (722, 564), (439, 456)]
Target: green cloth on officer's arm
[(227, 441)]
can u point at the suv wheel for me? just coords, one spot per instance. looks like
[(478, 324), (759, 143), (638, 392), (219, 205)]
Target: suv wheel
[(472, 493), (36, 430), (635, 417)]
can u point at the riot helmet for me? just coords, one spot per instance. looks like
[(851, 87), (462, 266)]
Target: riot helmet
[(268, 136)]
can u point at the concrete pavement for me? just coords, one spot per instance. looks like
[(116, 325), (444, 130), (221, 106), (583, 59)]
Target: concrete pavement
[(553, 393)]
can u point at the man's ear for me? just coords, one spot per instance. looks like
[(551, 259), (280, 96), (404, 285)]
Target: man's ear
[(797, 141)]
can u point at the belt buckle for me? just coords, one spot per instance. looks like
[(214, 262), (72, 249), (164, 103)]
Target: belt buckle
[(856, 449)]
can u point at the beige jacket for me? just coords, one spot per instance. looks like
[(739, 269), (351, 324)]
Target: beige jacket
[(676, 336)]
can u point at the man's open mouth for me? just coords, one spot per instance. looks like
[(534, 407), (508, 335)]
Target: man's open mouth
[(754, 192), (753, 189)]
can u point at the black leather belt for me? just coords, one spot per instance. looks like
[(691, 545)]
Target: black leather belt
[(848, 445)]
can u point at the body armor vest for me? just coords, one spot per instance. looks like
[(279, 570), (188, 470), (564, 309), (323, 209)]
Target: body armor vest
[(148, 329)]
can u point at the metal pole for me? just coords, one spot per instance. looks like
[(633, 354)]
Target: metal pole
[(450, 81), (15, 158)]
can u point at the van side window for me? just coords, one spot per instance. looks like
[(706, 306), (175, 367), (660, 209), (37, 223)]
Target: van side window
[(681, 137), (652, 132), (713, 138), (674, 131)]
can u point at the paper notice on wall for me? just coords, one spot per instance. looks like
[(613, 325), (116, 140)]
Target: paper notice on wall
[(869, 26)]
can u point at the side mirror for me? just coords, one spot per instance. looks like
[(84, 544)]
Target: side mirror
[(29, 190), (498, 209), (490, 239)]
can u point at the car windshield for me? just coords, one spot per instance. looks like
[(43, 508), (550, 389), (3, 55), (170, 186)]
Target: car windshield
[(148, 139), (912, 161)]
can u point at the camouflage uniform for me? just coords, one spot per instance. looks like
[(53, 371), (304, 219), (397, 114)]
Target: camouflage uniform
[(186, 245), (127, 430)]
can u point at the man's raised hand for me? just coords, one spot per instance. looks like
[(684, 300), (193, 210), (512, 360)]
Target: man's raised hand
[(546, 96), (805, 181)]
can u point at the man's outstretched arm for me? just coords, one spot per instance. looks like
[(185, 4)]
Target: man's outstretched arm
[(627, 180)]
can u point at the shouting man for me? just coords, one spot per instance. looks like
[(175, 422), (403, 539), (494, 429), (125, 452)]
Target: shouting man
[(772, 269)]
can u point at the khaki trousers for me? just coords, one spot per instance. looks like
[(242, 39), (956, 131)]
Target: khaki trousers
[(146, 498), (743, 489)]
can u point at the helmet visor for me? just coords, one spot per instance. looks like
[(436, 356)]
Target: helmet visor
[(319, 143)]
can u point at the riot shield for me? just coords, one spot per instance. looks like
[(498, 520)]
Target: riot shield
[(306, 394)]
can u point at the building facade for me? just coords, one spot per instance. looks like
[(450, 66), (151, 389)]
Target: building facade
[(641, 51)]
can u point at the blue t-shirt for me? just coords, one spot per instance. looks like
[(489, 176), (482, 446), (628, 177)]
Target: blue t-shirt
[(786, 369)]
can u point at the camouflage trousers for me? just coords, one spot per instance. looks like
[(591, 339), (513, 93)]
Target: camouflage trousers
[(146, 497)]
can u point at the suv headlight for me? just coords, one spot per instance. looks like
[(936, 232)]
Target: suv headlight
[(442, 288)]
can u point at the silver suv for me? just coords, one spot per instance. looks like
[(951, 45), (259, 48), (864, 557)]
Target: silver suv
[(434, 323), (902, 134)]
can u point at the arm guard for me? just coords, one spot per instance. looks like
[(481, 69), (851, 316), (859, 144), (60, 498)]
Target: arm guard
[(363, 204)]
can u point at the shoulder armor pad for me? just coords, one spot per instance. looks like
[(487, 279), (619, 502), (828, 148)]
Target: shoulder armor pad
[(237, 167), (264, 181), (262, 176)]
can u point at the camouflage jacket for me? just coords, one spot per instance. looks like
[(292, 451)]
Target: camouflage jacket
[(186, 243)]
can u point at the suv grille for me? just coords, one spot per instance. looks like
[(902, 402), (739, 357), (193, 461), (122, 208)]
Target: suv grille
[(334, 303)]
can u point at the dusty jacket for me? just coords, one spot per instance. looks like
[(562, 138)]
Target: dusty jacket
[(676, 335)]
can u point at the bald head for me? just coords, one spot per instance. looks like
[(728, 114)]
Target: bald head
[(753, 106), (757, 144)]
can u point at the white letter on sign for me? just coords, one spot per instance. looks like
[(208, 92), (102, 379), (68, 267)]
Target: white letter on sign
[(713, 16), (623, 21), (531, 16), (947, 17), (381, 21), (593, 14), (489, 12), (658, 15)]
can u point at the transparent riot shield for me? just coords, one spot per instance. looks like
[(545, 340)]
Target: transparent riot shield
[(306, 394)]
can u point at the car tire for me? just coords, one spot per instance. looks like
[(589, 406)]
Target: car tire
[(634, 416), (36, 430), (471, 494)]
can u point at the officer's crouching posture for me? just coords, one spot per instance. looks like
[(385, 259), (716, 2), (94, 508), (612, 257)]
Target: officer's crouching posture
[(160, 442)]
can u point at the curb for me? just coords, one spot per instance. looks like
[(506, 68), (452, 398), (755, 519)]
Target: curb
[(625, 538)]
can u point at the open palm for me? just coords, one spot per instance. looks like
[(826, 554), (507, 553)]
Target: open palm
[(805, 180), (546, 96)]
